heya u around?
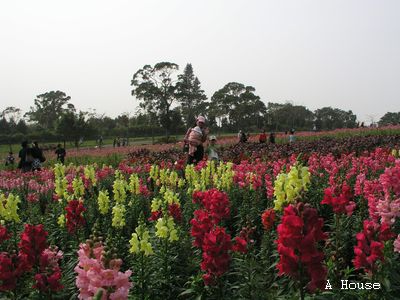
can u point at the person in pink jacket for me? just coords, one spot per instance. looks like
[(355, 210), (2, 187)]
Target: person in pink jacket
[(194, 138)]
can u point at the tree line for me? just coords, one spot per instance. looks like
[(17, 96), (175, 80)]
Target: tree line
[(169, 102)]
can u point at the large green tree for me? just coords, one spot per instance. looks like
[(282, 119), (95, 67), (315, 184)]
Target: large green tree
[(285, 116), (329, 118), (155, 87), (239, 105), (190, 95), (390, 118), (48, 108)]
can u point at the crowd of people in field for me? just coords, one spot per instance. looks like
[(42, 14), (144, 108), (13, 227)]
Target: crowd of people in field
[(31, 157)]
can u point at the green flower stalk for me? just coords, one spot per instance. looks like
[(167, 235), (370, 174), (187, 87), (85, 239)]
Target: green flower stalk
[(119, 191), (118, 213), (140, 241), (134, 184), (79, 188), (61, 221), (90, 173), (103, 201), (165, 229)]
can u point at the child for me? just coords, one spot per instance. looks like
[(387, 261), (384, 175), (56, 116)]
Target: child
[(212, 150), (10, 159), (195, 139)]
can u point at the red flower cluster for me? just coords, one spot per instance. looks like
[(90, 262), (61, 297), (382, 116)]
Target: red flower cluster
[(174, 211), (268, 219), (213, 239), (33, 242), (155, 215), (50, 273), (341, 204), (201, 224), (31, 246), (240, 245), (11, 268), (4, 235), (74, 215), (298, 237), (369, 248), (215, 202), (244, 238), (216, 259)]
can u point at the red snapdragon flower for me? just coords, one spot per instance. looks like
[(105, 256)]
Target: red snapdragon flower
[(33, 242), (4, 235), (298, 237), (268, 219), (74, 215), (174, 211), (216, 258), (341, 204), (369, 248)]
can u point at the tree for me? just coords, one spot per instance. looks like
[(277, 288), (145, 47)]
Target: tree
[(49, 107), (238, 104), (155, 87), (287, 116), (390, 118), (190, 95), (331, 118), (72, 126)]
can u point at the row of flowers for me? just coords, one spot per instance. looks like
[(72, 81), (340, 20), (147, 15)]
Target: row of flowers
[(315, 218)]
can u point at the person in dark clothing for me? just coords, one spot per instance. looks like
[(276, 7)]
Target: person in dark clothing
[(38, 157), (272, 138), (25, 157), (61, 153), (243, 137)]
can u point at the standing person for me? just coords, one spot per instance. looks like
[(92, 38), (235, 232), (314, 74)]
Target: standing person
[(25, 157), (115, 142), (195, 137), (242, 137), (100, 141), (263, 137), (212, 150), (272, 137), (38, 157), (10, 159), (292, 137), (61, 153)]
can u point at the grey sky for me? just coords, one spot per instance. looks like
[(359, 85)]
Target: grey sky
[(341, 53)]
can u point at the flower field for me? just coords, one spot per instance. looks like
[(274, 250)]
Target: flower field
[(318, 219)]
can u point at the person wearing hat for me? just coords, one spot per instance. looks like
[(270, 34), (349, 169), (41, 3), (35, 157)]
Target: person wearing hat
[(194, 138), (212, 149)]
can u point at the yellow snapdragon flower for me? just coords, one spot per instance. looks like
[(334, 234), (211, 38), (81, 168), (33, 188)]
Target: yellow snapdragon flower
[(78, 186), (9, 208), (103, 201), (287, 187), (140, 241), (165, 229), (118, 213)]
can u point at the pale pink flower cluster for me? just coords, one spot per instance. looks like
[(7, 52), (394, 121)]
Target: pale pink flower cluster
[(93, 276), (396, 244), (388, 208)]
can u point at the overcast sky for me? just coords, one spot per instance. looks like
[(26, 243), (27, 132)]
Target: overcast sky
[(340, 53)]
